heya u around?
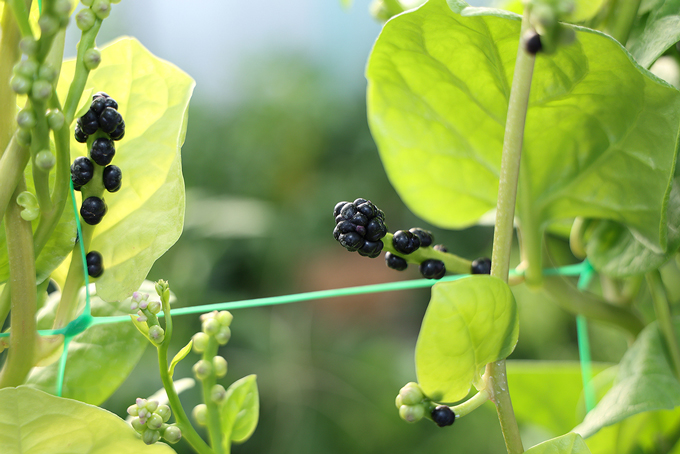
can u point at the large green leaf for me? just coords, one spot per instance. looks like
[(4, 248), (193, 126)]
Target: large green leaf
[(146, 216), (468, 324), (100, 359), (616, 251), (33, 422), (439, 84), (656, 32), (240, 412), (566, 444), (583, 9), (645, 382)]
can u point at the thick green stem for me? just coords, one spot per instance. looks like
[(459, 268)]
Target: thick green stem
[(75, 91), (22, 339), (453, 263), (9, 55), (21, 9), (621, 18), (664, 318), (12, 164), (66, 310), (213, 419), (571, 299), (5, 302)]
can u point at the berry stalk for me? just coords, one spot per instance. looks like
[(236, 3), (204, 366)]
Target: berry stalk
[(82, 72)]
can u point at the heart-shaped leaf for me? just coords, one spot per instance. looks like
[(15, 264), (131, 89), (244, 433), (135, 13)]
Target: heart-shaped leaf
[(240, 412)]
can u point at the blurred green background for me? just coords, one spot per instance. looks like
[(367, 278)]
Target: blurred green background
[(263, 172)]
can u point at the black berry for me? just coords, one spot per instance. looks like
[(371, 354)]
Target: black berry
[(95, 266), (119, 132), (443, 416), (367, 209), (358, 227), (440, 248), (81, 137), (88, 123), (82, 170), (338, 207), (348, 211), (371, 249), (109, 120), (351, 241), (395, 262), (93, 210), (481, 265), (405, 242), (432, 269), (375, 229), (426, 238), (102, 151), (98, 105), (99, 94), (112, 178), (532, 43)]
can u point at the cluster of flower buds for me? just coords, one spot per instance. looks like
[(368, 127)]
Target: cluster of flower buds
[(146, 312), (413, 406), (151, 422)]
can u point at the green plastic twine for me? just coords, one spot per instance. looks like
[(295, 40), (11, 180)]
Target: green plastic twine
[(584, 341)]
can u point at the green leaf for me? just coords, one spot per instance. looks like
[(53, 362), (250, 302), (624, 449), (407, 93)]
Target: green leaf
[(566, 444), (99, 359), (645, 382), (240, 411), (468, 323), (146, 216), (583, 9), (34, 422), (438, 90), (180, 356), (616, 251), (656, 32)]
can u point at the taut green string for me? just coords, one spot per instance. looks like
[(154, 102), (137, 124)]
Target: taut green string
[(584, 342)]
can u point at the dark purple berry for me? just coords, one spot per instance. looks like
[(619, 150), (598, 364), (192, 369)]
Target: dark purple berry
[(338, 208), (102, 151), (98, 105), (395, 262), (359, 219), (371, 249), (481, 265), (109, 120), (82, 170), (93, 210), (359, 201), (405, 242), (351, 241), (440, 248), (110, 102), (95, 266), (432, 269), (99, 94), (88, 123), (81, 137), (343, 227), (532, 43), (375, 229), (367, 209), (119, 132), (348, 211), (443, 416), (112, 178), (426, 238)]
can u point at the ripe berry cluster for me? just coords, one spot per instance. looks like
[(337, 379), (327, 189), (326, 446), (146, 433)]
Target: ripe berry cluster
[(407, 242), (360, 225)]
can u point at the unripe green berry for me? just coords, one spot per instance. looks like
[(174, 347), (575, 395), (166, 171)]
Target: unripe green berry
[(210, 326), (133, 410), (218, 394), (411, 394), (24, 137), (154, 422), (200, 414), (151, 436), (202, 369), (45, 160), (27, 68), (411, 413), (29, 46), (41, 90), (154, 307), (151, 405), (156, 333), (62, 7), (26, 119), (20, 84), (92, 58), (49, 25), (85, 19), (164, 412), (55, 119), (397, 401), (220, 366), (172, 434), (225, 318), (47, 72), (102, 8), (200, 342), (223, 335), (138, 426)]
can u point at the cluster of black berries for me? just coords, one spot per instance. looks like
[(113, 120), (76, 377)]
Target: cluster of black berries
[(359, 227), (408, 241), (103, 114)]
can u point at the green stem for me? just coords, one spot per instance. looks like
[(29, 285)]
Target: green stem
[(213, 418), (571, 299), (181, 418), (5, 301), (41, 141), (20, 9), (24, 304), (621, 18), (453, 263), (664, 318), (75, 91), (9, 56), (471, 404), (66, 310), (12, 164)]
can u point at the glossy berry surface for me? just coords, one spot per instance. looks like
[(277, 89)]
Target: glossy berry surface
[(95, 264), (440, 248), (432, 269), (359, 227), (93, 210), (88, 123), (443, 416), (395, 262), (81, 137), (371, 249), (426, 238), (109, 120), (405, 242), (112, 178), (82, 170), (102, 151), (533, 44), (481, 265), (119, 132)]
